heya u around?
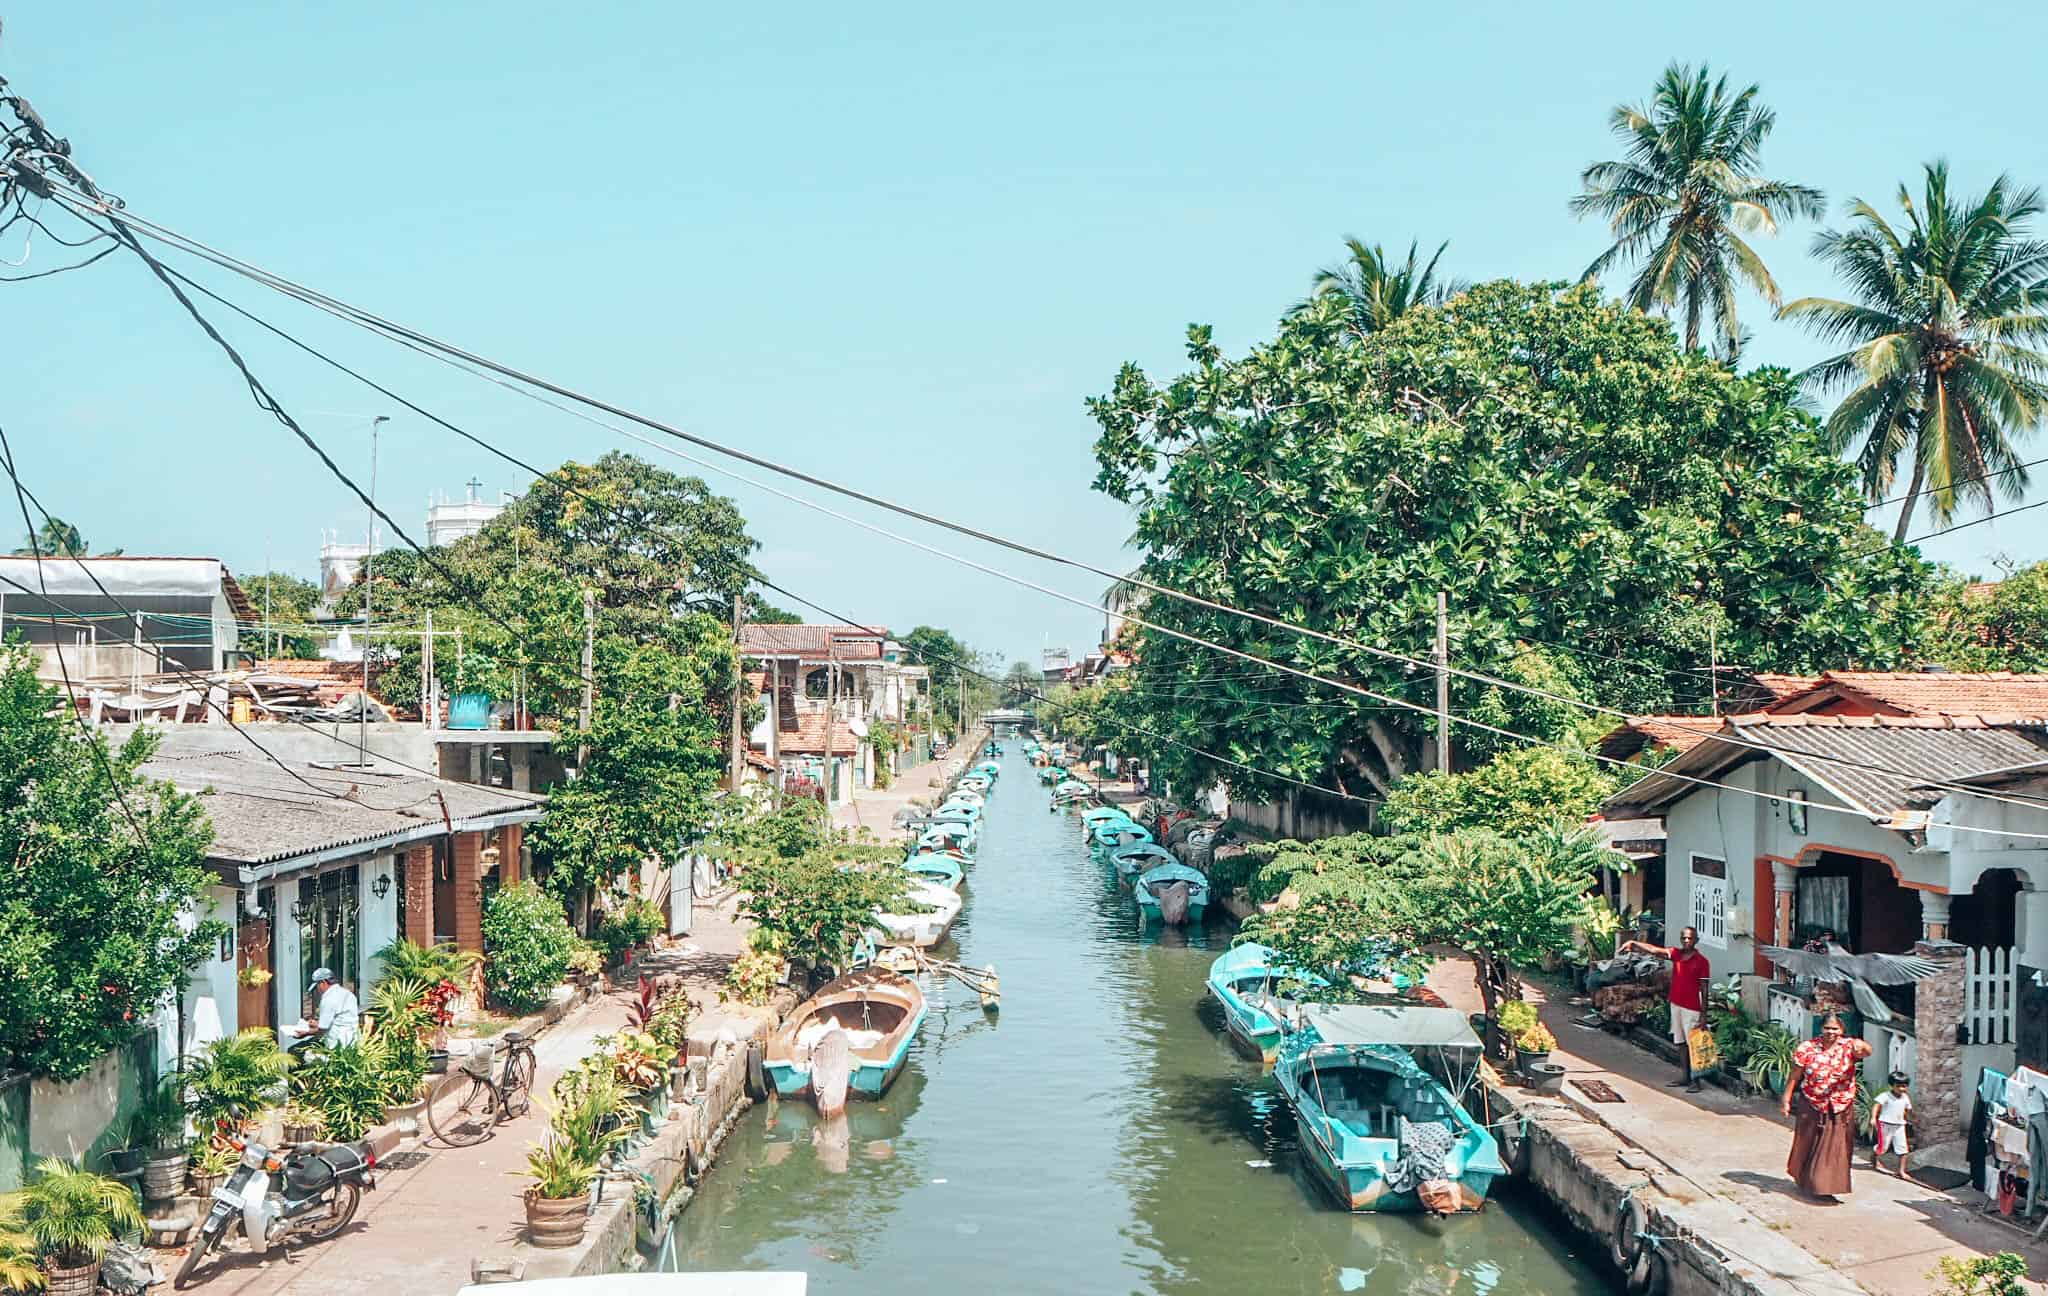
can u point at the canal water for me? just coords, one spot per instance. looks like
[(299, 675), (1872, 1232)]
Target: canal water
[(1098, 1135)]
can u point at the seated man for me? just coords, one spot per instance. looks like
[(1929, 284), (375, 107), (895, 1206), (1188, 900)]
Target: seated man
[(338, 1015)]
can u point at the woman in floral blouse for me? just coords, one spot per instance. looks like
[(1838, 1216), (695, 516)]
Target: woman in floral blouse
[(1824, 1080)]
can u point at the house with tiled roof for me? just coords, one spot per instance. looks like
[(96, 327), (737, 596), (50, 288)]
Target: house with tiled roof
[(1891, 813), (854, 673)]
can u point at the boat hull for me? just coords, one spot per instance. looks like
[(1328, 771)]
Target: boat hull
[(1150, 912), (873, 1068), (1362, 1189)]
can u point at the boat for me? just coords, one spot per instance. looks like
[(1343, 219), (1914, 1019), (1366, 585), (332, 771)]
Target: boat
[(989, 770), (1108, 836), (1159, 902), (926, 929), (1053, 773), (1378, 1132), (957, 812), (964, 796), (976, 783), (735, 1283), (1135, 858), (1070, 790), (1254, 990), (950, 836), (941, 867), (878, 1010)]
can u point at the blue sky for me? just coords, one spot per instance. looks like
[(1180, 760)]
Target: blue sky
[(898, 245)]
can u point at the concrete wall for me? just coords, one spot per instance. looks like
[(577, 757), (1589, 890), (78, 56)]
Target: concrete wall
[(210, 996), (83, 1118), (1303, 816)]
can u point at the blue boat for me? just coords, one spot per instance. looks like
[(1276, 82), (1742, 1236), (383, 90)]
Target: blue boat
[(1135, 858), (989, 770), (950, 836), (1096, 815), (1106, 837), (962, 812), (1378, 1131), (1254, 990), (1151, 886), (881, 1012), (937, 866)]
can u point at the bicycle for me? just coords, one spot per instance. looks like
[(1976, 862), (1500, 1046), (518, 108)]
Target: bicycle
[(468, 1104)]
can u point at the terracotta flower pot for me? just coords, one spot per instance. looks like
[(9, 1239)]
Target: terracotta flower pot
[(71, 1282), (556, 1221)]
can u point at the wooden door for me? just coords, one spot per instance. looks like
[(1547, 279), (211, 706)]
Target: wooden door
[(443, 923), (253, 1003)]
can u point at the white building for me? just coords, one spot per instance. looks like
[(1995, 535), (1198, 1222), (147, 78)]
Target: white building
[(447, 523)]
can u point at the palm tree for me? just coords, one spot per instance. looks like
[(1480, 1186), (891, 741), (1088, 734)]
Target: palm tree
[(1375, 290), (1682, 198), (1945, 336)]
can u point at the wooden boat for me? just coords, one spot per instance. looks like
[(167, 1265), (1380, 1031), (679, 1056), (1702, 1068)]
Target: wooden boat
[(926, 929), (1138, 856), (879, 1010), (1153, 889), (950, 836), (1255, 993), (1378, 1131)]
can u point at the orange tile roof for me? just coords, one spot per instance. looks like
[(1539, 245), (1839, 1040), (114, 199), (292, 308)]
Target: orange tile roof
[(1678, 732), (1926, 693), (1784, 686), (808, 738)]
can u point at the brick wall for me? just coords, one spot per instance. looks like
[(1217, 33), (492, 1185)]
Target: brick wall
[(469, 932), (1937, 1012), (419, 895)]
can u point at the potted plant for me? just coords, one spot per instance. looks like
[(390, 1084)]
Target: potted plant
[(303, 1122), (212, 1165), (1533, 1045), (1510, 1018), (239, 1074), (558, 1192), (586, 965), (70, 1215), (157, 1131), (253, 976)]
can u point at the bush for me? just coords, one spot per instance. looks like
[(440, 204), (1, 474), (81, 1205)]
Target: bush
[(527, 943), (232, 1079), (1516, 1016), (349, 1083), (633, 923)]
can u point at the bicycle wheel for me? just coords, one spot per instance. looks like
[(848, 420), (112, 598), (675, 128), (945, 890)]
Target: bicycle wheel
[(518, 1090), (459, 1109), (340, 1211)]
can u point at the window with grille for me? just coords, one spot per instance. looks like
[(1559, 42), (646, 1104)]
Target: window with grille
[(1710, 900)]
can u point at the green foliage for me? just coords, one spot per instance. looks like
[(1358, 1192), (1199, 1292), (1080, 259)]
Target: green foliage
[(90, 940), (1555, 463), (556, 1172), (1686, 192), (955, 669), (2004, 1274), (631, 923), (753, 976), (350, 1083), (428, 965), (72, 1214), (527, 942), (59, 538), (234, 1077), (1945, 363), (1518, 791), (1515, 1016), (589, 1116), (655, 755), (1374, 291), (20, 1268), (159, 1119), (2002, 627), (1768, 1061), (288, 602), (816, 906), (405, 1022)]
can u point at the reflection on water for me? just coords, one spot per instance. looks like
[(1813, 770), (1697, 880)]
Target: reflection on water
[(1099, 1135)]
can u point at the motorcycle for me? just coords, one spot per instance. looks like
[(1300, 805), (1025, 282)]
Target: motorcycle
[(309, 1191)]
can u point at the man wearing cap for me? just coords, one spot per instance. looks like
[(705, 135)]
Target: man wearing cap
[(338, 1012)]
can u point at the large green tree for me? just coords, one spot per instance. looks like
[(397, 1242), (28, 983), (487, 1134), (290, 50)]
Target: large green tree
[(1374, 289), (1686, 190), (1990, 626), (285, 604), (1945, 328), (97, 863), (960, 682), (1603, 508), (56, 538)]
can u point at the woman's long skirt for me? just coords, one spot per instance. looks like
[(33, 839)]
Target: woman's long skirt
[(1821, 1143)]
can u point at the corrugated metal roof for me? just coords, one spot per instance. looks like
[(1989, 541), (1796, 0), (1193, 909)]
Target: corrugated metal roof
[(261, 813)]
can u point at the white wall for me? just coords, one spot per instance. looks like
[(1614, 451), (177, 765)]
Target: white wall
[(289, 985), (378, 921), (210, 1009)]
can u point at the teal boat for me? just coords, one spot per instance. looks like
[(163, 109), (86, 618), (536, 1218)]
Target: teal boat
[(1254, 991), (1096, 815), (1051, 774), (957, 812), (1379, 1132), (988, 769), (879, 1010), (950, 836), (936, 866), (1152, 885), (1138, 856), (1107, 837)]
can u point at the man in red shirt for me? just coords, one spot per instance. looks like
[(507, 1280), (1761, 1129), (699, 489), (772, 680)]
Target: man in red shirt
[(1689, 972)]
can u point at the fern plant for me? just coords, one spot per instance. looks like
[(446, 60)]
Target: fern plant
[(428, 964), (235, 1076), (20, 1268), (72, 1214)]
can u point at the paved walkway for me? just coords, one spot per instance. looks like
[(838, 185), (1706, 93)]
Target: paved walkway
[(443, 1207), (1730, 1151)]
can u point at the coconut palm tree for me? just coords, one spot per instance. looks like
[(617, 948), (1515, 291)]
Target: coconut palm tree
[(1685, 194), (1376, 290), (1945, 333)]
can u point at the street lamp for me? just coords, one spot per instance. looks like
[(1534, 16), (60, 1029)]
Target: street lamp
[(369, 558)]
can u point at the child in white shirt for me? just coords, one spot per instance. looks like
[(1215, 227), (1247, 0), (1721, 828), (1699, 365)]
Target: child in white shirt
[(1889, 1115)]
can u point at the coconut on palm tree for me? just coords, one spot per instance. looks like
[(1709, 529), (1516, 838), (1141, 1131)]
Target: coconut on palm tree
[(1945, 329), (1376, 290), (1685, 195)]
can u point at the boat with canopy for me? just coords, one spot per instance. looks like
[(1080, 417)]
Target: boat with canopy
[(1173, 894), (1257, 992)]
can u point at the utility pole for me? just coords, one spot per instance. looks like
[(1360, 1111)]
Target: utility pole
[(369, 560), (831, 710), (1714, 661), (589, 675), (267, 582), (739, 689), (1443, 683), (774, 665)]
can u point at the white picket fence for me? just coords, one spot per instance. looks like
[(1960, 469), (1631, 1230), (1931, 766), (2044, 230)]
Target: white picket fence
[(1988, 996)]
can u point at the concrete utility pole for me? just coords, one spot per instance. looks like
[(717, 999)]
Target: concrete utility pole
[(589, 674), (739, 689), (369, 559), (774, 665), (1443, 683), (831, 710)]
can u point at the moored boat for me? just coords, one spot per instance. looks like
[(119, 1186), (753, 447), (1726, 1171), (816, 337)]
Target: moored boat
[(1256, 992), (1135, 858), (926, 929), (879, 1011), (942, 867), (1171, 893), (1379, 1132), (989, 770), (1106, 837)]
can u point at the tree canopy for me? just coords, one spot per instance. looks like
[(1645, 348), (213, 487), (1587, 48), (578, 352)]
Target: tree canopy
[(1601, 506), (90, 932), (287, 602)]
